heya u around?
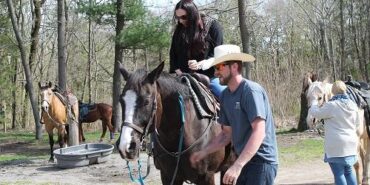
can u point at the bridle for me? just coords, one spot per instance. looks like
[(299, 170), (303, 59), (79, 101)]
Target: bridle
[(47, 112), (144, 131)]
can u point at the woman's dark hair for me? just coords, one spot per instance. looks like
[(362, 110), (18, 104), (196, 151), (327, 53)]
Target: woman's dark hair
[(192, 33)]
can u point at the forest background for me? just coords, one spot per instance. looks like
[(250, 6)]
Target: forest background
[(288, 38)]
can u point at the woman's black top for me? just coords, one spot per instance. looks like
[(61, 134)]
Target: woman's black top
[(179, 49)]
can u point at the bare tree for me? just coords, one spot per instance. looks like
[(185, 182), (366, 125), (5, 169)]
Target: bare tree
[(118, 58), (244, 33), (342, 70), (27, 71), (62, 69)]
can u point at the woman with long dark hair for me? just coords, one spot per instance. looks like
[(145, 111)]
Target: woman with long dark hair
[(194, 39)]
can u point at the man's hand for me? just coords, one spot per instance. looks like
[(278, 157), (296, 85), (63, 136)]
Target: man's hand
[(232, 174)]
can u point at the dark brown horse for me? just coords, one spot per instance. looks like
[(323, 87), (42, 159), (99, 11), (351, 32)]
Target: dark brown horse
[(55, 114), (94, 112), (157, 101)]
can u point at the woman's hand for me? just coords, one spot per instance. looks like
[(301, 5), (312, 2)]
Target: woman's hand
[(178, 72), (193, 65)]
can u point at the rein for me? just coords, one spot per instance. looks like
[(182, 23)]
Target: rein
[(56, 124)]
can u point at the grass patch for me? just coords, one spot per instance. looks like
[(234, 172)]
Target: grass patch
[(303, 151), (22, 146)]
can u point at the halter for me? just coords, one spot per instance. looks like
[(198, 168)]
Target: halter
[(56, 124), (144, 132)]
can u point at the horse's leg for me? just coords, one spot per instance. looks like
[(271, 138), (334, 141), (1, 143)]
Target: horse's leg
[(104, 125), (366, 160), (62, 136), (359, 165), (51, 143), (111, 129), (166, 180), (81, 136)]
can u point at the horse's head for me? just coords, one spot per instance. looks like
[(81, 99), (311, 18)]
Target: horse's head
[(139, 105), (320, 92), (46, 95)]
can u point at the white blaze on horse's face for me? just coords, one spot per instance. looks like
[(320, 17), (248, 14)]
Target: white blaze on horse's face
[(130, 103), (45, 98)]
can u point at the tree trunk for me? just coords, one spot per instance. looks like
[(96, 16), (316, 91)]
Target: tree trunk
[(302, 124), (27, 71), (244, 33), (62, 70), (14, 94), (342, 69), (355, 47), (118, 59), (62, 66), (35, 31)]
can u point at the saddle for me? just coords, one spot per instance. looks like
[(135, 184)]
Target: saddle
[(206, 104), (362, 98), (84, 109), (68, 99)]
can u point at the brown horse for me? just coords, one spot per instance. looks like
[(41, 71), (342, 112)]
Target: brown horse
[(55, 114), (158, 101), (91, 113), (322, 90)]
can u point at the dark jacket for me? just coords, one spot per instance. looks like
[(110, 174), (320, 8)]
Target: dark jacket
[(179, 48)]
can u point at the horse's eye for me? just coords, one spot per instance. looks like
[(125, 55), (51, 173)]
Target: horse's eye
[(320, 98)]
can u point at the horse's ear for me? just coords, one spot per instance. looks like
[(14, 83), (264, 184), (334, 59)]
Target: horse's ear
[(124, 72), (153, 76), (50, 84)]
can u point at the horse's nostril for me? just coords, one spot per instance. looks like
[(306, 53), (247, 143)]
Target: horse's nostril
[(132, 146)]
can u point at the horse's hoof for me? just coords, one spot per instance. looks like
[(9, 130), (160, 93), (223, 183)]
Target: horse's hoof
[(101, 140), (51, 160)]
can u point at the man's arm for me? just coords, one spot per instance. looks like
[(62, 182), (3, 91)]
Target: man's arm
[(250, 149), (220, 141), (254, 142)]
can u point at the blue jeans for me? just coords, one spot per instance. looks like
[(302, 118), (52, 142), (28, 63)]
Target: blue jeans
[(257, 172), (343, 174), (216, 87)]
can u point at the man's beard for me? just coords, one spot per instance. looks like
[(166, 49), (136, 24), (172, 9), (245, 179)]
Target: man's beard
[(225, 80)]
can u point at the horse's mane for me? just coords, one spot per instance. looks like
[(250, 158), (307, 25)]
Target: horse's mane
[(171, 85), (167, 83)]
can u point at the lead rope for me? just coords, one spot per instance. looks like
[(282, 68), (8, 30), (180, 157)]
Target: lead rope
[(141, 178), (181, 101)]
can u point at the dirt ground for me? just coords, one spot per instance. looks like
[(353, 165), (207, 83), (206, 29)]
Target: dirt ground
[(114, 171)]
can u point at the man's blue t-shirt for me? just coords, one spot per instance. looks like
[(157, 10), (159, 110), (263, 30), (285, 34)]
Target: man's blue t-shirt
[(240, 108)]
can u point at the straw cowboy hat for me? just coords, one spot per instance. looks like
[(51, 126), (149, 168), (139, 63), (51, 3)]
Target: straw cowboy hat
[(225, 53)]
